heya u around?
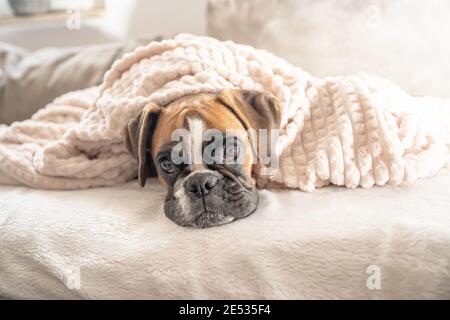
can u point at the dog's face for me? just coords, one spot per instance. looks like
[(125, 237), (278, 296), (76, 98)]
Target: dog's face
[(200, 149)]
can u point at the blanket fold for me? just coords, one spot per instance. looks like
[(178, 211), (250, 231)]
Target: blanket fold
[(353, 131)]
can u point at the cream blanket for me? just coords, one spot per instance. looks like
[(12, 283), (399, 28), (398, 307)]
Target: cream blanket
[(352, 131)]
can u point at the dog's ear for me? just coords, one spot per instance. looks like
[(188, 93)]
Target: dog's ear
[(138, 138), (256, 110)]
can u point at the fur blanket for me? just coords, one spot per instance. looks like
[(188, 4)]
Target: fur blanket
[(353, 131)]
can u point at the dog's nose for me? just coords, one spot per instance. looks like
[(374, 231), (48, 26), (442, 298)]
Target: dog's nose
[(201, 183)]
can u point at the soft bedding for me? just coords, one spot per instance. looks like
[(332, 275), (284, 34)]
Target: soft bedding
[(350, 131), (115, 242)]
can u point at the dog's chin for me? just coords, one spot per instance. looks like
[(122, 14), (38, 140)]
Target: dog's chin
[(210, 219), (206, 219)]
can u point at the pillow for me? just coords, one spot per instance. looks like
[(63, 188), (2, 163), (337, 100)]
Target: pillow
[(30, 80)]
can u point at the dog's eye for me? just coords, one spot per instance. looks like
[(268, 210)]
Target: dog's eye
[(167, 165)]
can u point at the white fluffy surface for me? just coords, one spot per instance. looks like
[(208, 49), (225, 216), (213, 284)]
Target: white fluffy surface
[(297, 245)]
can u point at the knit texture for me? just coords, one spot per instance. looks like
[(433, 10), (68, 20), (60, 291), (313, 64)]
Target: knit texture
[(352, 131)]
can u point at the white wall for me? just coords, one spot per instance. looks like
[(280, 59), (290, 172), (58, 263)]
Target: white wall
[(406, 41), (124, 19), (133, 18), (5, 10)]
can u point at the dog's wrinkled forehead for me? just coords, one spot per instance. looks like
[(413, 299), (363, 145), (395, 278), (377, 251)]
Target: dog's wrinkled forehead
[(195, 113), (243, 116)]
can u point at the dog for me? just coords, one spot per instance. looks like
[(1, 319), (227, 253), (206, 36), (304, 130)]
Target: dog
[(209, 180)]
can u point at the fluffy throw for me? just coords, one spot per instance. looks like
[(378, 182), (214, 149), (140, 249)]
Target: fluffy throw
[(352, 131)]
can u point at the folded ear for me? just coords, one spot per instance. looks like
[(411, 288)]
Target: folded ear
[(138, 138), (256, 110)]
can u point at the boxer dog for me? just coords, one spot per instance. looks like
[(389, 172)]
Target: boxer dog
[(204, 149)]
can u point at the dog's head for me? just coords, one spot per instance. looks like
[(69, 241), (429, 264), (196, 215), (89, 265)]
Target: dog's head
[(204, 148)]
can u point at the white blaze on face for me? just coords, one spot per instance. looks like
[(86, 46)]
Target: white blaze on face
[(183, 200), (196, 129)]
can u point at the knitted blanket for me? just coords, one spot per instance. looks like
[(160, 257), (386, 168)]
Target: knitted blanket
[(352, 131)]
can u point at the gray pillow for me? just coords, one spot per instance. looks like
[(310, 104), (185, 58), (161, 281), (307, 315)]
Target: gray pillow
[(30, 80)]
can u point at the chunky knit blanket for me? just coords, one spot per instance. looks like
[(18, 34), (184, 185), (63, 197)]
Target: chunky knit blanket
[(352, 131)]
